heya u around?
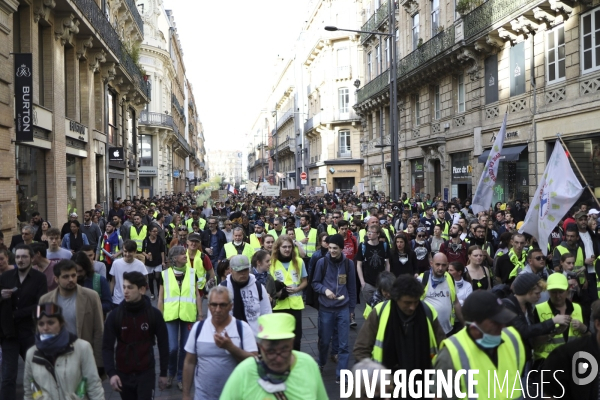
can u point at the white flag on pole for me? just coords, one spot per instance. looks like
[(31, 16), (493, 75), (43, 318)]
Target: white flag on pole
[(557, 192), (485, 189)]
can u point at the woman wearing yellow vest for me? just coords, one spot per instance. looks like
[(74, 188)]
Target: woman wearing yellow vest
[(180, 302), (291, 271)]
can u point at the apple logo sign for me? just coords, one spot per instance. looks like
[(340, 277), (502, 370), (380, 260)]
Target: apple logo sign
[(116, 153)]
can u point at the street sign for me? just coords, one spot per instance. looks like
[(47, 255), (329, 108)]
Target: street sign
[(270, 190), (303, 176), (303, 182)]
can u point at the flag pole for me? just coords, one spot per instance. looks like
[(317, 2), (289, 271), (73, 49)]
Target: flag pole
[(578, 170)]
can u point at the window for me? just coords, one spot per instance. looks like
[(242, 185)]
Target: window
[(555, 55), (590, 35), (436, 102), (461, 93), (344, 100), (343, 62), (417, 110), (435, 17), (377, 60), (415, 31), (112, 119), (369, 67), (345, 144)]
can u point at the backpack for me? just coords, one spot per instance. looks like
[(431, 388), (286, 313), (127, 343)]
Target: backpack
[(312, 297), (96, 284), (238, 325), (258, 287), (364, 247)]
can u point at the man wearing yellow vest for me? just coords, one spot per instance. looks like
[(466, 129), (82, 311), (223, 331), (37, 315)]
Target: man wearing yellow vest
[(515, 258), (570, 245), (307, 236), (558, 305), (256, 238), (200, 263), (487, 345), (277, 228), (195, 218), (401, 333), (440, 292), (179, 301), (238, 246), (138, 232)]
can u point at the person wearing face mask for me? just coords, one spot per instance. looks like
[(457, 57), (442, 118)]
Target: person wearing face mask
[(238, 246), (256, 239), (486, 343), (59, 361)]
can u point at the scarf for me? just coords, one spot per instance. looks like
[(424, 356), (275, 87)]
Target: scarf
[(283, 259), (515, 261), (238, 301), (459, 284), (76, 243), (135, 307), (261, 277), (406, 340), (51, 347)]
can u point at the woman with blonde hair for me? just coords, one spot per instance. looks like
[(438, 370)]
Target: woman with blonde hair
[(291, 271)]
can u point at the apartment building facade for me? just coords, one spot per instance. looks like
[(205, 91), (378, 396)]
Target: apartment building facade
[(461, 67), (88, 91)]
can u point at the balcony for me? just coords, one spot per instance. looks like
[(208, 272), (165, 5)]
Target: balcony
[(260, 161), (347, 153), (136, 15), (377, 85), (349, 115), (373, 23), (288, 145), (282, 119), (313, 122), (489, 13), (157, 119), (177, 106), (107, 33), (429, 50)]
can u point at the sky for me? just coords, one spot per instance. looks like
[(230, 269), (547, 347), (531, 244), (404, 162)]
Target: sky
[(230, 48)]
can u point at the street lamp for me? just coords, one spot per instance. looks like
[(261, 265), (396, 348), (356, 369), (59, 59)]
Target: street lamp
[(394, 192)]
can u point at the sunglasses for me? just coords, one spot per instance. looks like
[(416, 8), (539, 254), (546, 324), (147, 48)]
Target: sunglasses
[(539, 258), (420, 236), (47, 309), (182, 229)]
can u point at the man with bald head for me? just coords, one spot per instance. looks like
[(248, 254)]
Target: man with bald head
[(440, 293)]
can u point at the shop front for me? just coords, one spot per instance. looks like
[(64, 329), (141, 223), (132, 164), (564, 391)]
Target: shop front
[(512, 182), (417, 177), (343, 176), (461, 175), (586, 153)]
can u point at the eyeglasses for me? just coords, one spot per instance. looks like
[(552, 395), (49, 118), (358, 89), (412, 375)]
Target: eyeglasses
[(47, 309), (273, 354), (217, 305), (539, 258)]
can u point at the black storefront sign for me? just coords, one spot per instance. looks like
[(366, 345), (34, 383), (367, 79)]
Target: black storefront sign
[(491, 79), (23, 97), (116, 154), (517, 69), (462, 170)]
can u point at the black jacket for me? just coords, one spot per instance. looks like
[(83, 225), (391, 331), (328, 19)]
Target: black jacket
[(560, 361), (206, 241), (527, 330)]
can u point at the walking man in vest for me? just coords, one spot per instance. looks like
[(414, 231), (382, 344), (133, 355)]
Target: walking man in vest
[(307, 236), (180, 302), (335, 281), (570, 245), (277, 228), (440, 292), (250, 298), (134, 326), (558, 287), (201, 265), (401, 333), (238, 246), (138, 232), (256, 237), (484, 344)]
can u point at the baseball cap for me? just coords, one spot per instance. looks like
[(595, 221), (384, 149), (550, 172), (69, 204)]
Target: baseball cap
[(580, 214), (73, 215), (276, 326), (519, 225), (593, 211), (481, 305), (195, 237), (259, 223), (239, 262), (557, 281)]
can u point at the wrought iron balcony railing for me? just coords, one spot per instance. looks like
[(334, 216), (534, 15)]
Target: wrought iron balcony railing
[(375, 21), (153, 118), (177, 106), (136, 15), (372, 88), (489, 13), (427, 51), (105, 30)]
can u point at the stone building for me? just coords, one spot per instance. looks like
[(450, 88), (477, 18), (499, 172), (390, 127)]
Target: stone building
[(460, 68), (88, 91)]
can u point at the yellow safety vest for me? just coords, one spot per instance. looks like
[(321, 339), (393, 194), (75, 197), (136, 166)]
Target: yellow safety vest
[(452, 287), (384, 315), (331, 230), (346, 215), (230, 251), (138, 238), (289, 278), (198, 267), (179, 303), (511, 358), (545, 313), (201, 224), (311, 245), (115, 250), (446, 230), (519, 264), (579, 258), (254, 242), (363, 232), (273, 233)]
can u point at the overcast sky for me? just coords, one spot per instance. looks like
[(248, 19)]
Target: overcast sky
[(229, 49)]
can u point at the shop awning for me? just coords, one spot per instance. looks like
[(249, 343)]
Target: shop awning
[(507, 154)]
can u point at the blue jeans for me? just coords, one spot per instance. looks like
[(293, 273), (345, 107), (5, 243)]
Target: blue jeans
[(327, 321), (178, 334)]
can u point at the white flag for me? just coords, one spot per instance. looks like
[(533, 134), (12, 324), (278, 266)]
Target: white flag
[(485, 189), (557, 192)]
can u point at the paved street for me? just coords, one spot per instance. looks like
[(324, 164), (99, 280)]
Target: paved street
[(309, 345)]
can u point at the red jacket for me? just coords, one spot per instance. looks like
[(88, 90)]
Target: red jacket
[(350, 246)]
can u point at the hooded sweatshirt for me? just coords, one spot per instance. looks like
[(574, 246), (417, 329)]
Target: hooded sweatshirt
[(336, 279)]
